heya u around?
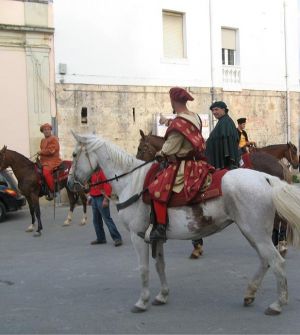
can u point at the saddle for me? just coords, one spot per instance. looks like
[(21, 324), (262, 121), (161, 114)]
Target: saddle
[(59, 173), (211, 189)]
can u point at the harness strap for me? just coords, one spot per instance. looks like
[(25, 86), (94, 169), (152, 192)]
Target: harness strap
[(130, 201)]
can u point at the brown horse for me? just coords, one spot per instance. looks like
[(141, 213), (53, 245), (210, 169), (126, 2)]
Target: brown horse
[(29, 183), (287, 151), (261, 160)]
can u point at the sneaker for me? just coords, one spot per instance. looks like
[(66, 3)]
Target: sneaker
[(98, 242), (118, 243)]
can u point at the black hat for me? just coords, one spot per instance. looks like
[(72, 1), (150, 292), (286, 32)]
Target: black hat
[(219, 104), (241, 120)]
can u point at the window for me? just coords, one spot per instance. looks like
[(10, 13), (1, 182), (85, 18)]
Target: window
[(173, 35), (229, 46), (84, 115)]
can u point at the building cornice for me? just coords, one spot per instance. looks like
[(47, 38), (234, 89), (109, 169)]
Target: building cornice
[(27, 29), (37, 1)]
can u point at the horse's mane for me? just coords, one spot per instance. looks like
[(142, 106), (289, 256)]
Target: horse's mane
[(121, 157), (273, 146), (25, 160), (155, 136)]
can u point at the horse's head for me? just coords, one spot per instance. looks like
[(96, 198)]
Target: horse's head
[(291, 155), (146, 151), (3, 164), (83, 165), (149, 145)]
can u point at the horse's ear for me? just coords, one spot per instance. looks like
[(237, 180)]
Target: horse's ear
[(142, 134), (4, 148)]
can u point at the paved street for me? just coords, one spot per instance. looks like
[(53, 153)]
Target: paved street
[(59, 283)]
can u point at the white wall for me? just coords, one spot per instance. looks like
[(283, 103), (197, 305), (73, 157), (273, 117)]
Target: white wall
[(119, 42)]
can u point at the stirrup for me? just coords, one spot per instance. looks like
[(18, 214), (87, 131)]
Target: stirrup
[(146, 235)]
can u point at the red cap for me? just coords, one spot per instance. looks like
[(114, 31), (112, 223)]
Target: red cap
[(180, 95)]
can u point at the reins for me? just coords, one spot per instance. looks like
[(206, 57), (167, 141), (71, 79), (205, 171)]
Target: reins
[(120, 176)]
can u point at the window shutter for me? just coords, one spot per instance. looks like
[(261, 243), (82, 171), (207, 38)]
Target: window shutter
[(173, 35), (228, 39)]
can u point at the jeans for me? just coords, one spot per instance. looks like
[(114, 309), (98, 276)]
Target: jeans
[(101, 214)]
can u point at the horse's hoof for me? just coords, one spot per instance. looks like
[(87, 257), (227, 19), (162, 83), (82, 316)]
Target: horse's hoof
[(248, 301), (29, 230), (82, 223), (271, 311), (136, 309), (37, 234), (66, 224), (193, 256), (157, 302)]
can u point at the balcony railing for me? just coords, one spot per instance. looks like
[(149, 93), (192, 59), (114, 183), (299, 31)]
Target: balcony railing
[(231, 77)]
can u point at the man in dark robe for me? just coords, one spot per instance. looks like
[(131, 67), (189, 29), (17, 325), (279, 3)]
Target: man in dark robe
[(222, 143)]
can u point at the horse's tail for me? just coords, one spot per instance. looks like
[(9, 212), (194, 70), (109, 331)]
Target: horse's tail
[(286, 199)]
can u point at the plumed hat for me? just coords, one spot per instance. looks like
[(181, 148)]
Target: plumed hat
[(180, 95), (241, 120), (45, 125), (219, 104)]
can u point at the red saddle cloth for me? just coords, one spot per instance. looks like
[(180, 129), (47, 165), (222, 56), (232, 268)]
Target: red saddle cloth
[(246, 161), (178, 199), (62, 171)]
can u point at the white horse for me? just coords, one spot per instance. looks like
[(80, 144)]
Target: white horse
[(249, 199)]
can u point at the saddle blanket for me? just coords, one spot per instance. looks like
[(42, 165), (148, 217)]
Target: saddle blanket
[(178, 199), (62, 171), (246, 161)]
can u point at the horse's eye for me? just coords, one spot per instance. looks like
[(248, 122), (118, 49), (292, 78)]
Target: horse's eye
[(74, 154)]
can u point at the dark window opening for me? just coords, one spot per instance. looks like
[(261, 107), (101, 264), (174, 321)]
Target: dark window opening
[(84, 119), (230, 57)]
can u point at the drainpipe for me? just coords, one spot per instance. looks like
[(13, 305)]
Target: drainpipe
[(212, 88), (287, 91)]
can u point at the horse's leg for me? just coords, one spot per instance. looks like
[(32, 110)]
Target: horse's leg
[(259, 237), (163, 295), (30, 228), (72, 200), (37, 211), (282, 243), (84, 203), (142, 251)]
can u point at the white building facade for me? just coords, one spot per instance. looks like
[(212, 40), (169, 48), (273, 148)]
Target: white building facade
[(116, 61)]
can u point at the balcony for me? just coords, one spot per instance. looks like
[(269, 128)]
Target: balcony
[(231, 78)]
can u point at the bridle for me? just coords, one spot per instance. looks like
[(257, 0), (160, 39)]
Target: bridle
[(75, 162), (290, 148)]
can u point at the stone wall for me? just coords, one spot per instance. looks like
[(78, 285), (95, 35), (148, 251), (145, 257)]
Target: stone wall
[(118, 112)]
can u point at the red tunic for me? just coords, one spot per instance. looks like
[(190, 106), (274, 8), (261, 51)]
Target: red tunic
[(196, 168), (49, 154)]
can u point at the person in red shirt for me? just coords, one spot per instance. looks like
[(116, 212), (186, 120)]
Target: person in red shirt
[(99, 195)]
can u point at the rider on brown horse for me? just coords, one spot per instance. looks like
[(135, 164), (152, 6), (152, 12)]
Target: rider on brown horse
[(186, 168), (49, 156)]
